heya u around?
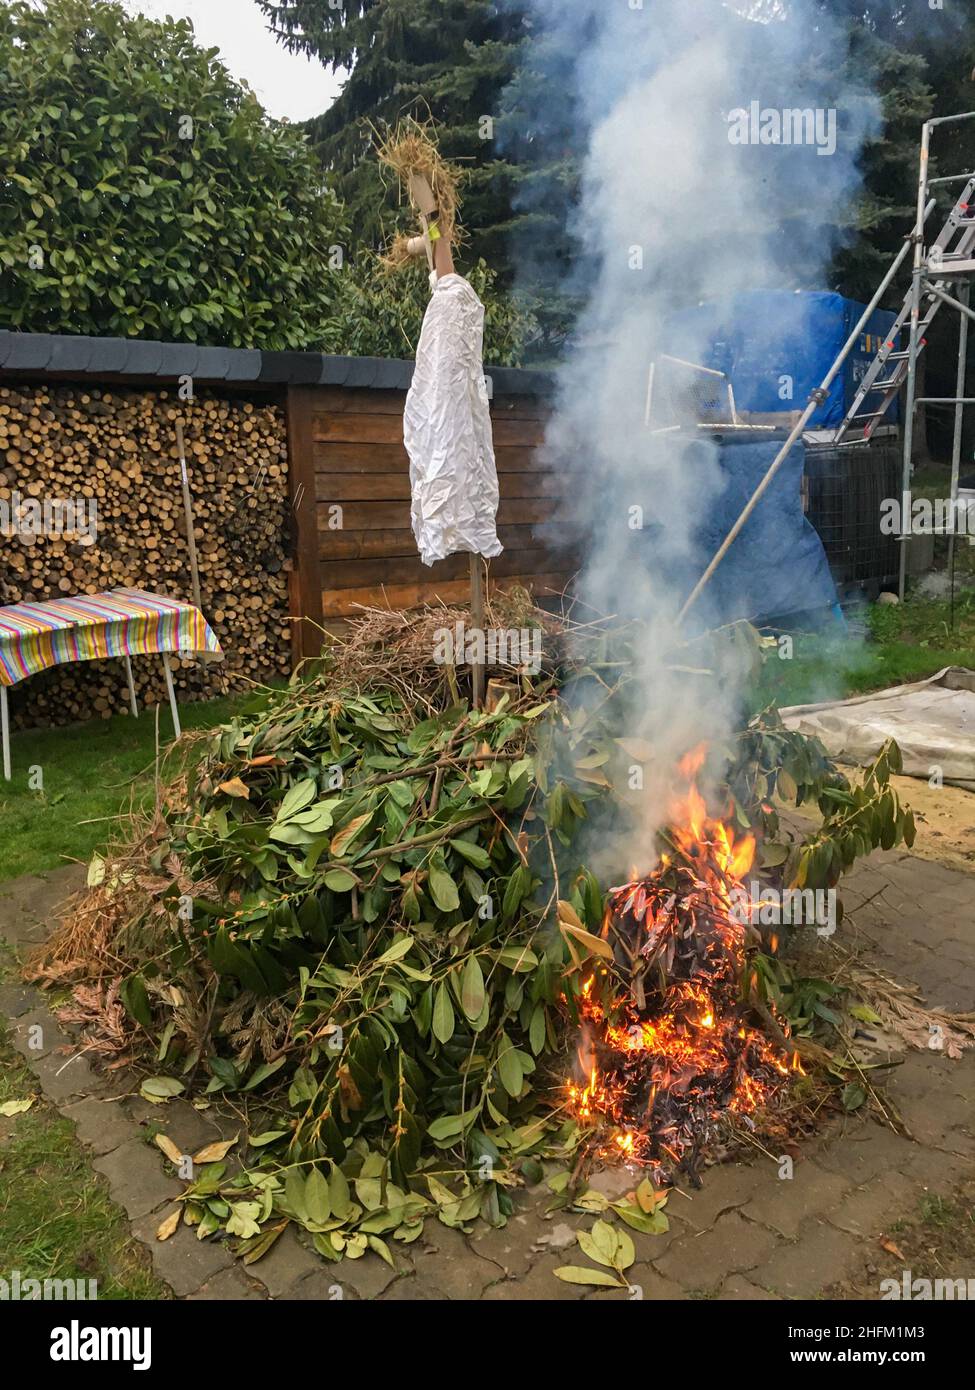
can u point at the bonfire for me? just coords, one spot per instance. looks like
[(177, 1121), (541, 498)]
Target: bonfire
[(667, 1046)]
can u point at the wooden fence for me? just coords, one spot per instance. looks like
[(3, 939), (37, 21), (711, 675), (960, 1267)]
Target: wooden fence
[(351, 493)]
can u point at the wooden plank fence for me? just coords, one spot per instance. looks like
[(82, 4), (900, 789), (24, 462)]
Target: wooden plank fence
[(349, 462)]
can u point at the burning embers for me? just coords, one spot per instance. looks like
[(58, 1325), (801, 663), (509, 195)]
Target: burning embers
[(666, 1048)]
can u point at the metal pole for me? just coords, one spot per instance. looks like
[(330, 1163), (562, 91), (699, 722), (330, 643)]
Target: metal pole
[(955, 303), (133, 703), (172, 694), (965, 291), (5, 722), (815, 400), (917, 278)]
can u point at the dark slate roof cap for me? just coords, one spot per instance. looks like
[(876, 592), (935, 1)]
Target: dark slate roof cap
[(244, 364), (142, 358), (392, 375), (520, 381), (179, 359), (296, 368), (29, 352), (108, 355), (363, 371), (213, 363), (70, 354)]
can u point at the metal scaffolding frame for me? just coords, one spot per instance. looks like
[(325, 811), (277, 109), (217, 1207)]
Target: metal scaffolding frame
[(949, 257)]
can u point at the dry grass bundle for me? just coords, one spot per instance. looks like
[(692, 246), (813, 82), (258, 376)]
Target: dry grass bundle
[(904, 1014), (394, 649), (410, 147), (120, 905)]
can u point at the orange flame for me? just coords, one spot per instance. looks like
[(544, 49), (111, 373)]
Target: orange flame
[(693, 1046)]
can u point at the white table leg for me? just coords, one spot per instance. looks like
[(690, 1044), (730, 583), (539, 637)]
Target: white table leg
[(133, 703), (5, 721), (172, 693)]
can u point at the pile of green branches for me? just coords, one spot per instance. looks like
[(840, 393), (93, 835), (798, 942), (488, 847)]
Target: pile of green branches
[(366, 923)]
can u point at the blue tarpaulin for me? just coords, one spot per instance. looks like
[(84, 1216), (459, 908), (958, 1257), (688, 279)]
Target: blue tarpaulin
[(777, 567), (777, 345)]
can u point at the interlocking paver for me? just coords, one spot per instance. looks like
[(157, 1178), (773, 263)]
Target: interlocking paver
[(820, 1256), (730, 1246), (746, 1234)]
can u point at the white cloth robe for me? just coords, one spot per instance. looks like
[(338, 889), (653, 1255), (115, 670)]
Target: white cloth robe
[(447, 430)]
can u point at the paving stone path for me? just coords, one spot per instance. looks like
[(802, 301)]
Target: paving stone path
[(746, 1234)]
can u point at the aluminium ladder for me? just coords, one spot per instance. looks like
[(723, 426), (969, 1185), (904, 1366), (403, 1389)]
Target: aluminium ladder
[(951, 253)]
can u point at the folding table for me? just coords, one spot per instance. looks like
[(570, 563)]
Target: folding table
[(123, 623)]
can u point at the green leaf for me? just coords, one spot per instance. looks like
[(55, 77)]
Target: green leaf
[(294, 1194), (443, 1015), (317, 1200), (452, 1126), (268, 1137), (161, 1088), (536, 1029), (518, 958), (381, 1249), (577, 1274), (443, 889), (474, 854), (853, 1095), (509, 1067), (263, 1072), (133, 994), (298, 798), (340, 880), (397, 951), (472, 988), (600, 1244), (340, 1195)]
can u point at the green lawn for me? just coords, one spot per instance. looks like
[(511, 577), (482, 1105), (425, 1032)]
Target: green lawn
[(56, 1218), (90, 773), (904, 643)]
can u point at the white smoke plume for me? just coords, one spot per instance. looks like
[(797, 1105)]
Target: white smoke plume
[(674, 211)]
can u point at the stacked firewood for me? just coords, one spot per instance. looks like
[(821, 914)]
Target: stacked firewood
[(118, 448)]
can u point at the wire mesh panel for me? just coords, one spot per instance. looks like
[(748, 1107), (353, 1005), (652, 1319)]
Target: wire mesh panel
[(684, 393), (844, 490)]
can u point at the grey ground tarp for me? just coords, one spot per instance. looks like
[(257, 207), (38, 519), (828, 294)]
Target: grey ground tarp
[(933, 722)]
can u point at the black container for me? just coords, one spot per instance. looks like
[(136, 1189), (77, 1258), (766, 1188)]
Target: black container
[(844, 489)]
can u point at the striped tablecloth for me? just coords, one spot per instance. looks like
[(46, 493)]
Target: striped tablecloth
[(125, 622)]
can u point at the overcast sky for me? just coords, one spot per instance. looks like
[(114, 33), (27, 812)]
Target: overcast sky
[(286, 84)]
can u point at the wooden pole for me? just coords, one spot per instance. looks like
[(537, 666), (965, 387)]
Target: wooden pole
[(188, 513), (477, 617)]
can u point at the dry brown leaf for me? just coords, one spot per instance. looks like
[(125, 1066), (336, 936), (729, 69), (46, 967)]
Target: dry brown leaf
[(213, 1153), (174, 1154), (168, 1227), (344, 838), (572, 927), (567, 913), (235, 787), (892, 1248)]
